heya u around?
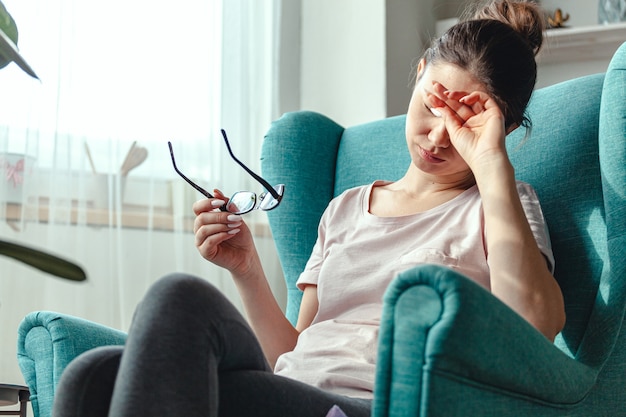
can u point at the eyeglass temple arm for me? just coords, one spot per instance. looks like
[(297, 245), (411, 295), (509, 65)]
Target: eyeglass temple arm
[(264, 183), (193, 184)]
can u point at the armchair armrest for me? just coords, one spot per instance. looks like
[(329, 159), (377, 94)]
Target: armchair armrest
[(47, 343), (441, 332)]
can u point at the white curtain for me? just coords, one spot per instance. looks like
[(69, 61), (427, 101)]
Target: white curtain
[(118, 80)]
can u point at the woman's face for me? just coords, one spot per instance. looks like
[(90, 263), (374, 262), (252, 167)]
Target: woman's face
[(426, 135)]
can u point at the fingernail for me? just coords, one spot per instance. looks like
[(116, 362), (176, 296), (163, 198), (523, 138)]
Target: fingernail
[(234, 231), (218, 203), (435, 112), (233, 218), (233, 225)]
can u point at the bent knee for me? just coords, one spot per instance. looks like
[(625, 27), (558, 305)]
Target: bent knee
[(181, 284)]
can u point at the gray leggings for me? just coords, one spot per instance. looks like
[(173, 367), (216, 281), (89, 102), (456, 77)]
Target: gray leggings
[(189, 353)]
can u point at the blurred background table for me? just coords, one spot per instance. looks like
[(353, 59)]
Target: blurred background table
[(11, 395)]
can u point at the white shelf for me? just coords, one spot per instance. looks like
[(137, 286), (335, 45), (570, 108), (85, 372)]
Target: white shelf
[(579, 44)]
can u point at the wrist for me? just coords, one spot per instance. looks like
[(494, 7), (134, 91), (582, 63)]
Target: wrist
[(495, 177), (248, 271), (493, 168)]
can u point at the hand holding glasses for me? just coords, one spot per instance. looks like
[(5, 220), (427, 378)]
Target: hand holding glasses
[(241, 202)]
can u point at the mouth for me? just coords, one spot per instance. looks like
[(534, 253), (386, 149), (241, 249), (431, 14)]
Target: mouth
[(429, 156)]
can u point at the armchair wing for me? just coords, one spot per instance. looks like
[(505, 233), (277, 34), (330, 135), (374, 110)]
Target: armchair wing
[(300, 152), (47, 343)]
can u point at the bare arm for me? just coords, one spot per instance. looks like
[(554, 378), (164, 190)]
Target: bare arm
[(225, 240), (274, 331), (519, 273)]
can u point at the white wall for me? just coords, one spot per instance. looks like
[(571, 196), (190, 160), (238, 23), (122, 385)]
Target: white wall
[(356, 55), (407, 32), (289, 57), (343, 59)]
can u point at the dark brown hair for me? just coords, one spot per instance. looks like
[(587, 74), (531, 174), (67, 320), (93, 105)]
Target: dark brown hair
[(497, 44)]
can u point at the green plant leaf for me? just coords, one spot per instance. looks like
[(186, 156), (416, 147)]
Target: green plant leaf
[(9, 29), (8, 43), (43, 261)]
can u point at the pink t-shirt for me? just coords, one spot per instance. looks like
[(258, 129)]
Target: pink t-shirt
[(356, 256)]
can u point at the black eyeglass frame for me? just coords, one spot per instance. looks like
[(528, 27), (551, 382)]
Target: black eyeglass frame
[(276, 192)]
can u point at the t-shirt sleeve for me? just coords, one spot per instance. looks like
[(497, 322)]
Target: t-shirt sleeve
[(536, 220), (312, 269)]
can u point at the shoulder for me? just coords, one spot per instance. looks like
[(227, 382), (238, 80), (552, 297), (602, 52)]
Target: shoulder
[(354, 195), (348, 203)]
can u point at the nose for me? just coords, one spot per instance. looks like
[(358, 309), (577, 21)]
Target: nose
[(438, 135)]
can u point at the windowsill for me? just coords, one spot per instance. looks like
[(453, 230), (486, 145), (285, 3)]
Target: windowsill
[(88, 200), (132, 217), (129, 217)]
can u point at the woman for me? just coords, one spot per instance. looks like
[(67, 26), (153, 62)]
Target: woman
[(190, 353)]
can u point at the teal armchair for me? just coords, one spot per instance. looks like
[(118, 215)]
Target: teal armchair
[(447, 347)]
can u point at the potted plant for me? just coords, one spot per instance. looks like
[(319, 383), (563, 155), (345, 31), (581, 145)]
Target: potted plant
[(35, 258)]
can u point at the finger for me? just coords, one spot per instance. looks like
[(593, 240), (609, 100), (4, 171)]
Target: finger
[(476, 101), (454, 95), (209, 225), (450, 115), (209, 248), (220, 218), (207, 204), (453, 99), (210, 236), (219, 194)]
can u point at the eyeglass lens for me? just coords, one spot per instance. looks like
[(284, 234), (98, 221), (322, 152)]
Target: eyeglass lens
[(243, 202)]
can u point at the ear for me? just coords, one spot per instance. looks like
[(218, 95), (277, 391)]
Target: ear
[(421, 66)]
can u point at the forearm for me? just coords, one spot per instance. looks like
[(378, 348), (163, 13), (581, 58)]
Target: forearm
[(274, 332), (519, 272)]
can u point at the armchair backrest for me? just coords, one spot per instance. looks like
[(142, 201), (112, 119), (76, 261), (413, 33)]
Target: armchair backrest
[(574, 156)]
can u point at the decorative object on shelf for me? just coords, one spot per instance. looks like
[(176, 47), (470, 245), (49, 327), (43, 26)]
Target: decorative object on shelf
[(136, 156), (14, 170), (611, 11), (558, 20)]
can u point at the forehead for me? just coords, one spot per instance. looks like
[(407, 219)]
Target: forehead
[(450, 76)]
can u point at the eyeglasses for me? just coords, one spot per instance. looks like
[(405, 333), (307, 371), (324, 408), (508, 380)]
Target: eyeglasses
[(241, 202)]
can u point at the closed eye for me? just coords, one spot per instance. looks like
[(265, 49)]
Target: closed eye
[(433, 111)]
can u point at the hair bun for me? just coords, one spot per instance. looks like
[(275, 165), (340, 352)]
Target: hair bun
[(525, 17)]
